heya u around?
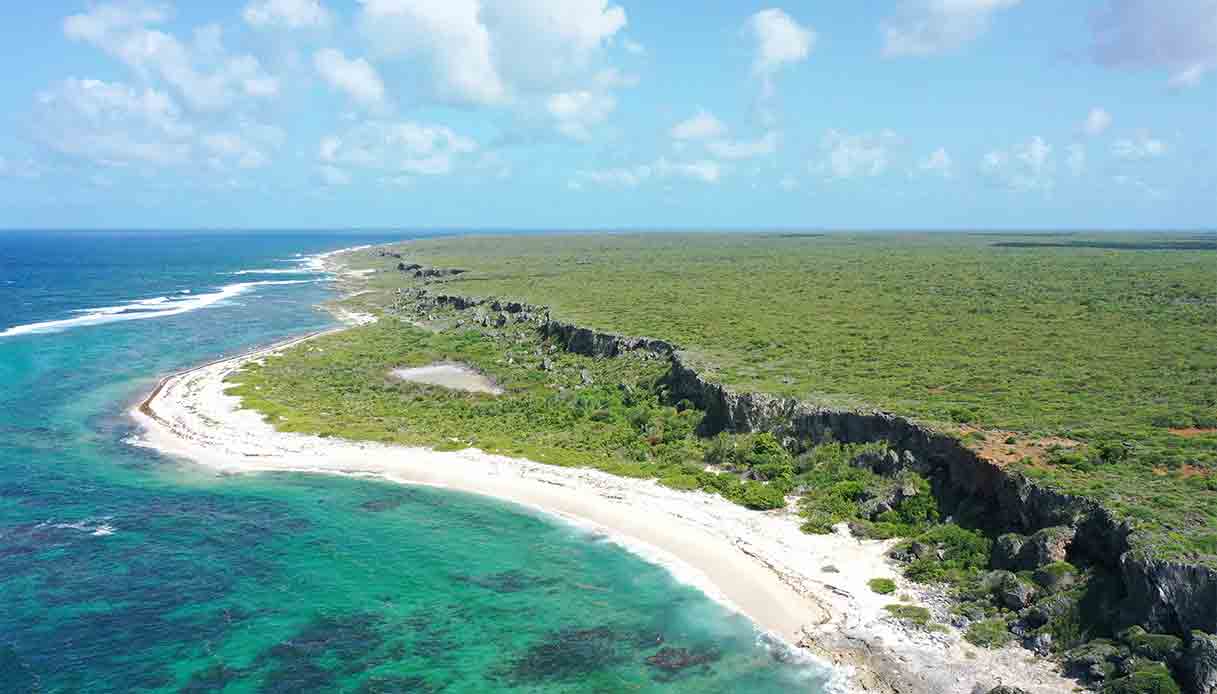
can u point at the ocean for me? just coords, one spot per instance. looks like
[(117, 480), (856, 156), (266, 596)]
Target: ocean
[(122, 570)]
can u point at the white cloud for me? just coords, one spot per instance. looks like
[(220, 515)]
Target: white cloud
[(938, 163), (1143, 146), (927, 27), (779, 40), (578, 111), (485, 51), (244, 149), (290, 14), (854, 156), (205, 76), (744, 149), (625, 176), (1076, 161), (357, 78), (700, 126), (1178, 36), (705, 171), (1097, 122), (406, 147), (334, 176), (633, 47), (113, 124), (1024, 167)]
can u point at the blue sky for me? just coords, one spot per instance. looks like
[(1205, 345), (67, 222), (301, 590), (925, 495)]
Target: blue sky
[(610, 114)]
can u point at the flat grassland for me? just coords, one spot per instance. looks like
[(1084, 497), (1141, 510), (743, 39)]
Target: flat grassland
[(1089, 362)]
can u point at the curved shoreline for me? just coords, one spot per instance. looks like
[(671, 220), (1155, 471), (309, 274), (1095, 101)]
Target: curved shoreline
[(808, 590)]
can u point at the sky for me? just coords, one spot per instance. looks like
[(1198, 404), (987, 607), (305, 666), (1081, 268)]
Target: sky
[(610, 114)]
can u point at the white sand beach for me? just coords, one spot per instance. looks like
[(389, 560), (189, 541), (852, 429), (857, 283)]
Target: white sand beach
[(809, 590)]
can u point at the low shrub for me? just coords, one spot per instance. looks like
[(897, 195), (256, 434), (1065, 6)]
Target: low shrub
[(911, 614), (990, 633), (1151, 679), (882, 586)]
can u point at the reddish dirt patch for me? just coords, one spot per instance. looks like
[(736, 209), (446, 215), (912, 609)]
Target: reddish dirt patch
[(1192, 471), (1193, 431), (994, 446)]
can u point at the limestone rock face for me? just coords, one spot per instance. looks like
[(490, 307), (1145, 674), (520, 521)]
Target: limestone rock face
[(1167, 596), (1006, 551), (1015, 552), (1200, 664)]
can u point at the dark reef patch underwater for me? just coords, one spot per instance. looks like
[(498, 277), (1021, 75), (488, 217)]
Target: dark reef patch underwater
[(123, 571)]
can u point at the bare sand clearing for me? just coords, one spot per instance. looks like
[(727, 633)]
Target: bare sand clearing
[(809, 590), (450, 375)]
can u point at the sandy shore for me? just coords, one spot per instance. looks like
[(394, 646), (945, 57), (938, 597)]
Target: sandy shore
[(808, 590)]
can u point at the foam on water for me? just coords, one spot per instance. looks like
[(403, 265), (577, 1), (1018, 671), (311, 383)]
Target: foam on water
[(141, 309), (278, 271)]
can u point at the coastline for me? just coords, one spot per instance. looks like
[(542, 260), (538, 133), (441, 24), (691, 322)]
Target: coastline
[(807, 590)]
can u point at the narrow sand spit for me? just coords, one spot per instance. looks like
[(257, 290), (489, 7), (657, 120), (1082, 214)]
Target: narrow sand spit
[(809, 590), (450, 375)]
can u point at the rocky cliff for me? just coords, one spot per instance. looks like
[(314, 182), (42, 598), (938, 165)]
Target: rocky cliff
[(1162, 596)]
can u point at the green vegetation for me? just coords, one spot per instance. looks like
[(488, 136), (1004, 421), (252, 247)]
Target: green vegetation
[(990, 633), (557, 408), (910, 614), (882, 586), (1153, 679), (1106, 341)]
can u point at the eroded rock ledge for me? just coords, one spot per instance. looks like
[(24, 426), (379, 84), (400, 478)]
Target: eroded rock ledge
[(1161, 595)]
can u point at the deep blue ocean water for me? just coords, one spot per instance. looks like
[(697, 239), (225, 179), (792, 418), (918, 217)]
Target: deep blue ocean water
[(125, 571)]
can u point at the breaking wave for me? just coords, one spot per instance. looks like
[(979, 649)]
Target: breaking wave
[(142, 309)]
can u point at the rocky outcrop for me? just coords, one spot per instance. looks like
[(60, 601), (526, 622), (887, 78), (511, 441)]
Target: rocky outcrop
[(592, 343), (1168, 596), (1199, 666)]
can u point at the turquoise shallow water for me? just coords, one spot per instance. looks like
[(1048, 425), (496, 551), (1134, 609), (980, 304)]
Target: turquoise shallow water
[(124, 571)]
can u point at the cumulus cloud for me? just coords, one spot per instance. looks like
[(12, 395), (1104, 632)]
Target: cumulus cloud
[(355, 77), (113, 124), (485, 51), (938, 163), (780, 41), (405, 147), (205, 76), (745, 149), (289, 14), (704, 170), (928, 27), (700, 126), (244, 148), (1097, 122), (1023, 167), (1143, 146), (576, 112), (1178, 36), (855, 156)]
